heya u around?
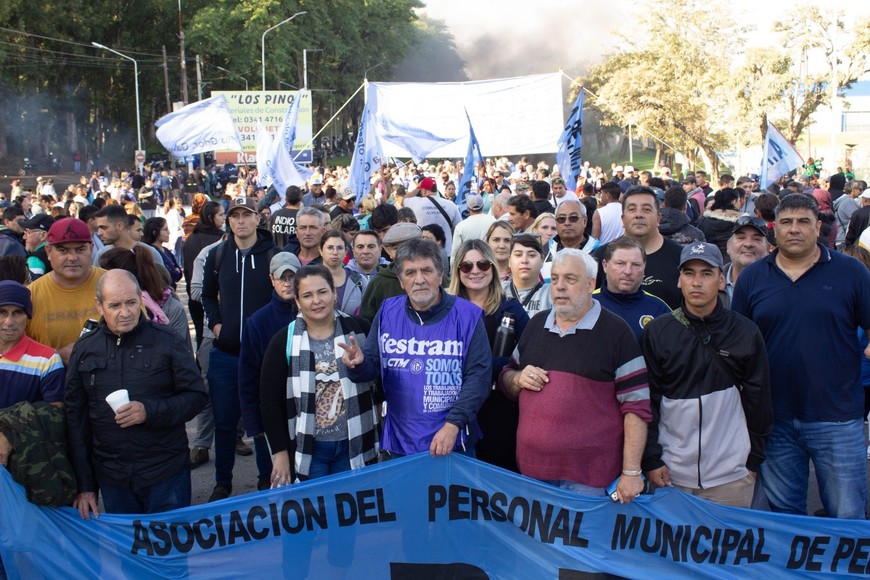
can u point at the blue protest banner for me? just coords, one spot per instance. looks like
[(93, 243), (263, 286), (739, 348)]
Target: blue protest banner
[(568, 156), (421, 516), (472, 158)]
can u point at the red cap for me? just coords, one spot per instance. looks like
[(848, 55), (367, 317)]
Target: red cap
[(69, 231), (429, 184)]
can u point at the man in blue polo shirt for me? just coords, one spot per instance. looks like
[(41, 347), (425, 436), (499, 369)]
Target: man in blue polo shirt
[(808, 302)]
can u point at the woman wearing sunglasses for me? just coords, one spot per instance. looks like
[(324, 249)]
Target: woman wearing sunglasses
[(474, 278)]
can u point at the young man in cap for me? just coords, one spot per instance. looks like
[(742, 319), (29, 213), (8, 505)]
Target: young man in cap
[(235, 285), (63, 299), (35, 240), (258, 331), (474, 227), (29, 371), (710, 389)]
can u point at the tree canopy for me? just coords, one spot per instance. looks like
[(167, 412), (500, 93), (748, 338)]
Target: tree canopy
[(61, 94), (677, 76)]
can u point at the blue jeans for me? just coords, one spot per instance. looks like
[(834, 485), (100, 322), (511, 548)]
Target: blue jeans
[(263, 458), (223, 385), (838, 453), (167, 495), (329, 457)]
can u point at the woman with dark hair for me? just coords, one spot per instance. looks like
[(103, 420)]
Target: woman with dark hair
[(349, 285), (435, 233), (473, 277), (155, 234), (317, 421), (162, 307), (14, 268), (207, 231), (719, 220)]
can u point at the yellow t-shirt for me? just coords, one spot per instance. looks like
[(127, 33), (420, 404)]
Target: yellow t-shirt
[(60, 313)]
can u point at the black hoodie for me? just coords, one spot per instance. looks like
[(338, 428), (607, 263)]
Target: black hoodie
[(235, 289)]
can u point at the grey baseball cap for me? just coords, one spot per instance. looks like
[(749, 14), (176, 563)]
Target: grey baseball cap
[(283, 261), (703, 251)]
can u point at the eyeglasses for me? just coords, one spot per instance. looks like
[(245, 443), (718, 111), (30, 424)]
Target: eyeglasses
[(482, 265), (573, 218), (284, 280)]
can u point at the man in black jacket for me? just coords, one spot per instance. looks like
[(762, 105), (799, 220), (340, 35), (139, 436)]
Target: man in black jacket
[(135, 454), (235, 285), (710, 389)]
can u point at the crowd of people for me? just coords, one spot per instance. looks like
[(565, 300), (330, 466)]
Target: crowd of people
[(641, 327)]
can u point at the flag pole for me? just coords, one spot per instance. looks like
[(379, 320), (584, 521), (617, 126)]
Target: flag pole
[(331, 119)]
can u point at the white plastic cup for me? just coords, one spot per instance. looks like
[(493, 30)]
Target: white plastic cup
[(118, 399)]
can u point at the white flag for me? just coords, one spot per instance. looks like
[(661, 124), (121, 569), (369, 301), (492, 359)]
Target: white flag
[(265, 145), (418, 142), (367, 154), (778, 158), (199, 127), (284, 171)]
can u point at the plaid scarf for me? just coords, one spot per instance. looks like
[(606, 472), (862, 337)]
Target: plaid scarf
[(362, 417)]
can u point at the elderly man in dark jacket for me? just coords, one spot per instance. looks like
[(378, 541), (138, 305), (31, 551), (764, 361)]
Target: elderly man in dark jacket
[(134, 453)]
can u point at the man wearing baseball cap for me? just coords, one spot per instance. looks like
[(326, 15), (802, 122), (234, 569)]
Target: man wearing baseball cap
[(258, 331), (315, 195), (235, 285), (346, 200), (35, 240), (710, 389), (63, 299), (747, 244)]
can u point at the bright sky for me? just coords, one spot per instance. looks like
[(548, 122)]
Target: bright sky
[(501, 38)]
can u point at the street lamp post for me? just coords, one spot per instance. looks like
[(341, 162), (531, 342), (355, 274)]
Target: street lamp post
[(234, 74), (263, 44), (136, 79), (305, 52)]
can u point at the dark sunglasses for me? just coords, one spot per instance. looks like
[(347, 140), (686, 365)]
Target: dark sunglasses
[(482, 265), (573, 218)]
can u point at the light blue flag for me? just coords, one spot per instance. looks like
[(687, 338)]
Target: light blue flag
[(778, 157), (568, 156), (284, 171), (472, 158), (367, 154)]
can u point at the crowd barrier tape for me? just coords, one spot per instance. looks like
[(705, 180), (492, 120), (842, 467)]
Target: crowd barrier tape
[(424, 517)]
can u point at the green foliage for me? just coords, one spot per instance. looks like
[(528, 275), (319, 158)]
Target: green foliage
[(60, 94)]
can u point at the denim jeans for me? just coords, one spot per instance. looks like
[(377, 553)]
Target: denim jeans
[(223, 385), (329, 457), (263, 458), (167, 495), (837, 451)]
